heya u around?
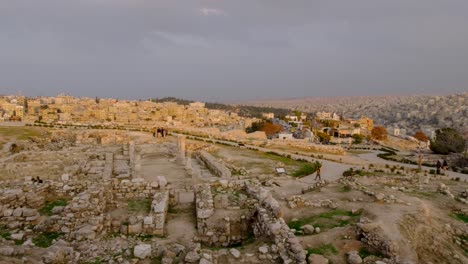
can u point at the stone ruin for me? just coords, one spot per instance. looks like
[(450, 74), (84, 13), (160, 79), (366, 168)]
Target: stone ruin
[(223, 222)]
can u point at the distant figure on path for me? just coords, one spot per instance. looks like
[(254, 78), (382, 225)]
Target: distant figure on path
[(318, 176), (438, 166), (445, 166)]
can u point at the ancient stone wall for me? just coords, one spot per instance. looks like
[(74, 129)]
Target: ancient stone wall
[(268, 222), (214, 165), (217, 226)]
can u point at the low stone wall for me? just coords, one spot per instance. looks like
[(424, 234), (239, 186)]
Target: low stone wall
[(225, 226), (136, 188), (213, 165), (268, 222), (371, 235)]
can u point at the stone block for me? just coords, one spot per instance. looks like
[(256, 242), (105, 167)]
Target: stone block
[(142, 251)]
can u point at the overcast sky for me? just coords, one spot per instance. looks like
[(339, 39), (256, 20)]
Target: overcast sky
[(219, 50)]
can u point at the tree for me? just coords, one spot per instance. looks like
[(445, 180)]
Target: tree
[(323, 137), (357, 138), (420, 136), (448, 140), (379, 133), (256, 126), (271, 129)]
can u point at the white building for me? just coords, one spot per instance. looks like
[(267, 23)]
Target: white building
[(328, 116)]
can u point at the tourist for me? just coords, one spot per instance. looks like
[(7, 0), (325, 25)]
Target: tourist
[(445, 166), (318, 176), (39, 180), (438, 166)]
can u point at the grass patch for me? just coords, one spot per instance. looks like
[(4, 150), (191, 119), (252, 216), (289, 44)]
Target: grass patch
[(20, 133), (461, 217), (345, 188), (44, 240), (365, 252), (139, 205), (325, 249), (307, 169), (328, 220), (47, 208), (285, 160), (4, 233)]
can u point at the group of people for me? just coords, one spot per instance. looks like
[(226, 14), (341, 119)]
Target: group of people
[(37, 180), (441, 165), (159, 131)]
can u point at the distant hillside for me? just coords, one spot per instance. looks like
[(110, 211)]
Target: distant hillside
[(410, 112), (242, 110)]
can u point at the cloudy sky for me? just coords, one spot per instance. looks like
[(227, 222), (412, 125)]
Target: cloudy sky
[(233, 50)]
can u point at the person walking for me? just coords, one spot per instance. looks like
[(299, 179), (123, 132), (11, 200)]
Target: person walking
[(445, 166), (438, 166), (318, 175)]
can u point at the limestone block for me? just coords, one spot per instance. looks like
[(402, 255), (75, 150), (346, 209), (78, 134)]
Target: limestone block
[(148, 220), (135, 229), (161, 181), (65, 177), (18, 212), (142, 251), (29, 212)]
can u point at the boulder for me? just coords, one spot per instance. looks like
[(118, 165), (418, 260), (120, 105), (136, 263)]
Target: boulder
[(308, 229), (353, 257), (192, 257), (235, 253), (142, 251), (317, 259)]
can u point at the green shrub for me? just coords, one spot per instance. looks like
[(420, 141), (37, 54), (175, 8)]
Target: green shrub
[(307, 169), (139, 205), (45, 239), (325, 249), (47, 208)]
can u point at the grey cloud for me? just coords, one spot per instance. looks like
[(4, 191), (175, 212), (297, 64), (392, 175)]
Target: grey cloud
[(227, 50)]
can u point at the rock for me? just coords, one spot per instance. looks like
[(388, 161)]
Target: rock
[(18, 212), (29, 212), (353, 257), (7, 212), (235, 253), (148, 220), (17, 237), (379, 196), (142, 251), (317, 259), (135, 229), (192, 257), (317, 230), (308, 229), (263, 249), (65, 177), (7, 251), (57, 209), (205, 261), (161, 181)]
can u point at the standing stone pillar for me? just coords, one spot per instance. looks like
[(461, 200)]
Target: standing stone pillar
[(188, 162), (181, 145), (131, 153)]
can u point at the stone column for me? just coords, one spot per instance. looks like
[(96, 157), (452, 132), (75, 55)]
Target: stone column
[(131, 153), (181, 145)]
